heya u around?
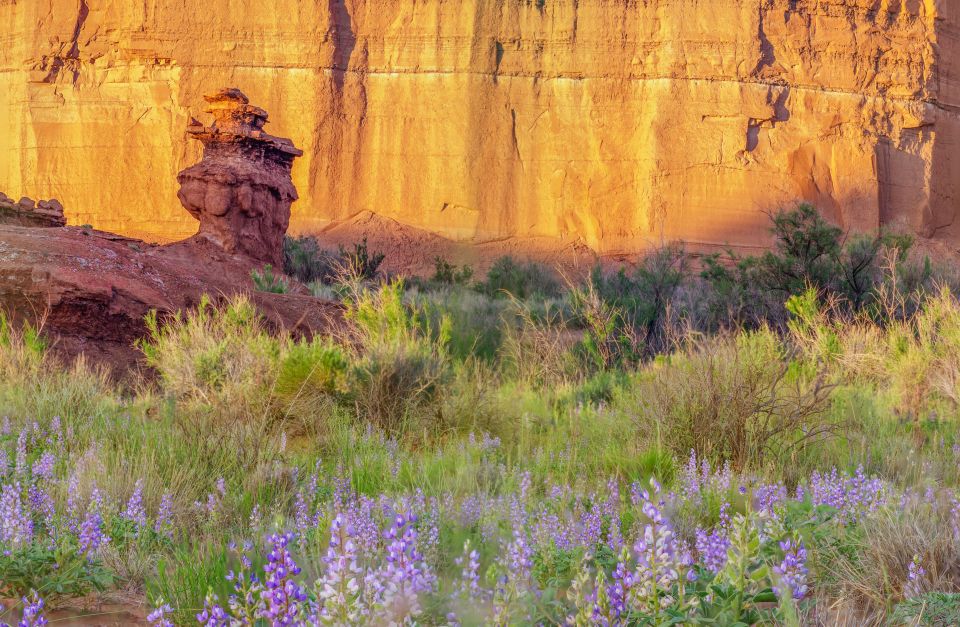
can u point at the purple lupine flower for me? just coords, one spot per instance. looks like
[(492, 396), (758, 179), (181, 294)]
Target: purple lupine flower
[(20, 465), (712, 546), (915, 574), (16, 524), (159, 617), (213, 615), (767, 496), (32, 612), (135, 511), (302, 518), (690, 477), (405, 575), (792, 570), (4, 462), (43, 467), (339, 586), (590, 529), (361, 517), (623, 580), (283, 596), (853, 496), (92, 536), (660, 556), (470, 572), (42, 503), (164, 521)]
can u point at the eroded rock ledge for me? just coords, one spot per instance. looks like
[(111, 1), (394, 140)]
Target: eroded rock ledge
[(26, 212)]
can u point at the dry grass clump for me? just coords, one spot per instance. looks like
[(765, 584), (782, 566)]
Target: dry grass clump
[(870, 573), (732, 397), (33, 383)]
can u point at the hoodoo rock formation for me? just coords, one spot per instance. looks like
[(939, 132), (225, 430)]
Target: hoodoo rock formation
[(612, 123), (241, 191), (91, 289)]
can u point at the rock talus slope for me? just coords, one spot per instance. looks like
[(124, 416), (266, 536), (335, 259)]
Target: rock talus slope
[(616, 123)]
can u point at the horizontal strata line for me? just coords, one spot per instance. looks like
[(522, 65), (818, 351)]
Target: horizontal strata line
[(805, 87)]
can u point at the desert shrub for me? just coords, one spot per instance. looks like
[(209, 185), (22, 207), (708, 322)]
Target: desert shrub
[(924, 358), (398, 379), (732, 297), (865, 273), (806, 249), (875, 576), (306, 261), (732, 398), (471, 320), (609, 340), (537, 345), (359, 261), (218, 357), (266, 281), (447, 273), (312, 369), (642, 299), (522, 280)]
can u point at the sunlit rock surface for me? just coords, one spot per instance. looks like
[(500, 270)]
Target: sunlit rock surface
[(609, 123)]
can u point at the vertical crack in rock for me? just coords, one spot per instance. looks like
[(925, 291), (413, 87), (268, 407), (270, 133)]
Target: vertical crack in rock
[(513, 135), (344, 40), (73, 52)]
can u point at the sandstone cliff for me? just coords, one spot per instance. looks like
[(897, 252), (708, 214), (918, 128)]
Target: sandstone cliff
[(619, 123)]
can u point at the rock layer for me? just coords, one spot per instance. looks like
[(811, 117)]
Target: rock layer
[(615, 123), (26, 212)]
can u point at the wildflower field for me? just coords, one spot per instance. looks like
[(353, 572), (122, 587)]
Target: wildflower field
[(732, 442)]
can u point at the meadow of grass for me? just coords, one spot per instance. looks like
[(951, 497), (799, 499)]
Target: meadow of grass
[(760, 441)]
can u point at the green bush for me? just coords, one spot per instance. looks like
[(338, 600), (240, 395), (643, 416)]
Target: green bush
[(472, 320), (398, 379), (637, 304), (521, 280), (306, 261), (267, 281), (360, 262), (312, 369), (446, 273)]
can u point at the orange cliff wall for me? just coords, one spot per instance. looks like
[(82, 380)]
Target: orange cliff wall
[(619, 123)]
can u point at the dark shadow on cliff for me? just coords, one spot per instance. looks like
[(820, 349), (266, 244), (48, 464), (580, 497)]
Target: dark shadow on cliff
[(344, 40)]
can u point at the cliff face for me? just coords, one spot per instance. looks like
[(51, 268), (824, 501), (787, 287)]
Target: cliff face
[(622, 123)]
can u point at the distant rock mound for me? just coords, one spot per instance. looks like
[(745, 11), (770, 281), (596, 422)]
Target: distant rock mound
[(26, 212), (241, 191)]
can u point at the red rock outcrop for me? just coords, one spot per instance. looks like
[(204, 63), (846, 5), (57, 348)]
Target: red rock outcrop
[(26, 212), (241, 190)]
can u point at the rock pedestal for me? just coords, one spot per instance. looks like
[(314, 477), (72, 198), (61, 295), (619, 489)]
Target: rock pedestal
[(241, 191)]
